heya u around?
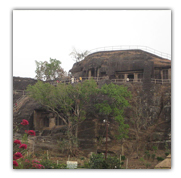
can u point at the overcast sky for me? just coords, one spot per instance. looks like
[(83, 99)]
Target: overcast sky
[(44, 34)]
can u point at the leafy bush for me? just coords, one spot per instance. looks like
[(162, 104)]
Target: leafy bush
[(123, 158), (142, 159), (97, 161), (160, 158), (153, 156), (147, 165), (155, 148), (147, 154), (167, 153), (48, 164)]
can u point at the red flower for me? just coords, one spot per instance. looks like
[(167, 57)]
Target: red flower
[(15, 163), (17, 142), (23, 146), (17, 155), (24, 122), (35, 161), (31, 132), (27, 161), (39, 166)]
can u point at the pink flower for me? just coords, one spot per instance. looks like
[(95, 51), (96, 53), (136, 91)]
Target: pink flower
[(17, 142), (17, 155), (27, 161), (39, 166), (15, 163), (31, 132), (24, 122), (35, 161), (23, 146)]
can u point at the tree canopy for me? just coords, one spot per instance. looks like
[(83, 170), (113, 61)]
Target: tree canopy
[(72, 103), (49, 70)]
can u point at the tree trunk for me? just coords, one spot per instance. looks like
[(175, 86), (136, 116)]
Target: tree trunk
[(122, 148)]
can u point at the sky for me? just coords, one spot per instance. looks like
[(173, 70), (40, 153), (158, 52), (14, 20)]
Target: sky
[(44, 34)]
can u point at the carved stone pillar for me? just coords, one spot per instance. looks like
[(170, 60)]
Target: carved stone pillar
[(89, 74), (169, 73), (51, 122), (125, 76), (135, 77), (98, 72)]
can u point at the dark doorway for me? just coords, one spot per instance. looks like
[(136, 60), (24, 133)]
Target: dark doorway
[(93, 72), (131, 77)]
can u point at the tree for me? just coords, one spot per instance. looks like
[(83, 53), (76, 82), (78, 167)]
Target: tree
[(49, 71), (68, 102), (78, 56), (71, 104), (112, 101)]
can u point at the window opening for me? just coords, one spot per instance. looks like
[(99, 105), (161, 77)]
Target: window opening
[(165, 74)]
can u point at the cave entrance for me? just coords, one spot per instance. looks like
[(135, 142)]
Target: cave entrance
[(131, 77), (92, 72)]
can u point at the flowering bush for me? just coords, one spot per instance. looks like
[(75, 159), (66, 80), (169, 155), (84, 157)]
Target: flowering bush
[(32, 132), (17, 142), (17, 155), (20, 161), (24, 122), (23, 146), (15, 163)]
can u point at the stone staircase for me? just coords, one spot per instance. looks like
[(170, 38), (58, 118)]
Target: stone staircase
[(19, 103)]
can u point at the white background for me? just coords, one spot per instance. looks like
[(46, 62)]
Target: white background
[(6, 16), (41, 34)]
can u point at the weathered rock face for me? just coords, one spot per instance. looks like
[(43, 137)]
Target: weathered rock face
[(20, 83), (114, 63)]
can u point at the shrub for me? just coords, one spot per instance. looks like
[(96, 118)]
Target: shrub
[(48, 164), (123, 158), (167, 153), (147, 165), (147, 154), (160, 158), (97, 161), (142, 159), (153, 156), (155, 148), (20, 160)]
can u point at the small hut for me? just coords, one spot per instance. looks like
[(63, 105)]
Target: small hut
[(165, 164)]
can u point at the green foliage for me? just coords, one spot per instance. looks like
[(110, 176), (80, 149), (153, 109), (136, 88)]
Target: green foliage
[(25, 138), (167, 153), (160, 158), (48, 164), (123, 157), (112, 103), (147, 165), (97, 161), (147, 154), (49, 71), (153, 156), (155, 148), (142, 159), (74, 103), (122, 163), (86, 165)]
